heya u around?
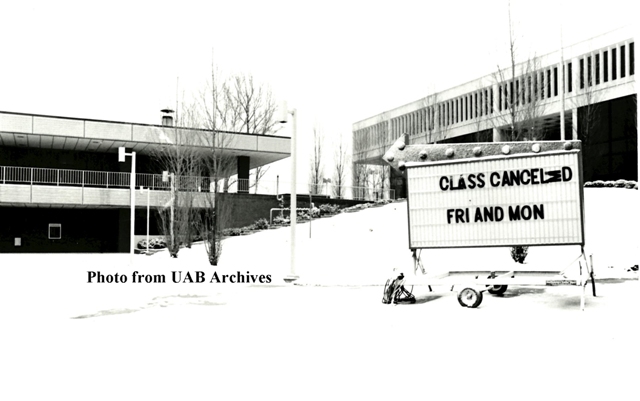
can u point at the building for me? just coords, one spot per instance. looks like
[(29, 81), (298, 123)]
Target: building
[(63, 189), (585, 91)]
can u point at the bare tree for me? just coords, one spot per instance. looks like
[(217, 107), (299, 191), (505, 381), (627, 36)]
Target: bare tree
[(252, 105), (316, 166), (179, 157), (340, 160), (360, 172), (437, 125), (587, 104), (522, 89)]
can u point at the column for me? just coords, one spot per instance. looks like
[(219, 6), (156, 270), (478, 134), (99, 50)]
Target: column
[(627, 60), (497, 135), (574, 123), (243, 173), (575, 77)]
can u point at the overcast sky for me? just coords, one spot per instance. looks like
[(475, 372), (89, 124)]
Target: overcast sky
[(337, 62)]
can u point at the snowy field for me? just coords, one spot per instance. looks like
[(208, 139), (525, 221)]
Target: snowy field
[(329, 337)]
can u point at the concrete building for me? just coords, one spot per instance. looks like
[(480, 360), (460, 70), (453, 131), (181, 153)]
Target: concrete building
[(62, 188), (585, 91)]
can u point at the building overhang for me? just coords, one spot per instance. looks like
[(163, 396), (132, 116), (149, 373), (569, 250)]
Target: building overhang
[(63, 133)]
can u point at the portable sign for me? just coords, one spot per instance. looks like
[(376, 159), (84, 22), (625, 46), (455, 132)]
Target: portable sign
[(493, 194)]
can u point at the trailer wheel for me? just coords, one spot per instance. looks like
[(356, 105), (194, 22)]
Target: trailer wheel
[(497, 289), (470, 297)]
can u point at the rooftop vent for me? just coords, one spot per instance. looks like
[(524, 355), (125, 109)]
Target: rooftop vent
[(167, 117)]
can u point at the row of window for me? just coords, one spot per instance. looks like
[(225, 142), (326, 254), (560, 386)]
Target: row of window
[(595, 68)]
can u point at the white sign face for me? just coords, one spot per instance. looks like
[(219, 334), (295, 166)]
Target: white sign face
[(517, 200)]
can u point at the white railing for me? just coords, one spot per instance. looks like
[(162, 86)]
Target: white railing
[(114, 179)]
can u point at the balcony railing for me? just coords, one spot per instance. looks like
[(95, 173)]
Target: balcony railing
[(114, 179)]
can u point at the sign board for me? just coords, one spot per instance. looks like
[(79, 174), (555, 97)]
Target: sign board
[(520, 199)]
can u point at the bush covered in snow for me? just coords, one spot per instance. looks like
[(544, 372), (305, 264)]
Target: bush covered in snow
[(630, 184)]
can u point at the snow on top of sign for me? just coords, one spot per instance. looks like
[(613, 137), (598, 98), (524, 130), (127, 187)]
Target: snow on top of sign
[(400, 153)]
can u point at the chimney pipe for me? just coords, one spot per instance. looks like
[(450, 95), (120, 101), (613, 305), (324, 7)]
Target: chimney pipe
[(167, 117)]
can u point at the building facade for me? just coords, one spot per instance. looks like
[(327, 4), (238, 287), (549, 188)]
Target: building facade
[(63, 189), (585, 91)]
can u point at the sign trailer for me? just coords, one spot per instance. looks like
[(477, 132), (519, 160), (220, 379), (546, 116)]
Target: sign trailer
[(497, 194)]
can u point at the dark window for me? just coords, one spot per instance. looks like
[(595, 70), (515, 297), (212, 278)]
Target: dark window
[(632, 70), (510, 93), (605, 66), (457, 111), (597, 69), (570, 77), (491, 107), (475, 105), (548, 83), (555, 81), (614, 65), (466, 108), (542, 85), (622, 60), (486, 102), (55, 231), (589, 81), (581, 73)]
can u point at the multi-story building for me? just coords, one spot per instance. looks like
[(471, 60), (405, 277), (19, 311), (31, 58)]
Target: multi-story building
[(63, 189), (585, 91)]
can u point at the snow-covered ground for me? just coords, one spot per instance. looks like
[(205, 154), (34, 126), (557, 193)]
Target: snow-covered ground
[(330, 337)]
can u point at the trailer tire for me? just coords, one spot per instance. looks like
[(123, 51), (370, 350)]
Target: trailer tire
[(497, 289), (469, 297)]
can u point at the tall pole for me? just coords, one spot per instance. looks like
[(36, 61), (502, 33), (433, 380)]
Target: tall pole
[(132, 183), (173, 199), (562, 129), (294, 197)]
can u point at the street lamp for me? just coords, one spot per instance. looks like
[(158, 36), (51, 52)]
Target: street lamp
[(132, 185), (294, 196)]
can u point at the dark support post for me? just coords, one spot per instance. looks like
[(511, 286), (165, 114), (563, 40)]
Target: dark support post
[(243, 173)]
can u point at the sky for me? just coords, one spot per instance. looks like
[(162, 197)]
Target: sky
[(335, 62)]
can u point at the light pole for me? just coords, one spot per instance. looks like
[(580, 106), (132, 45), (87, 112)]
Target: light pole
[(294, 197), (132, 186), (148, 190)]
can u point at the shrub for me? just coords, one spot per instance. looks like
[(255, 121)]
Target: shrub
[(519, 253), (261, 224), (620, 184), (328, 209), (232, 232), (281, 220)]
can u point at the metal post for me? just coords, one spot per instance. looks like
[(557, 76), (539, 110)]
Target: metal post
[(173, 189), (294, 197), (142, 189), (132, 184)]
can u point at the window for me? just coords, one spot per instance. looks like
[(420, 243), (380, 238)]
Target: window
[(605, 66), (548, 83), (55, 231), (614, 65), (622, 59), (466, 108), (570, 78), (581, 73), (597, 69), (631, 58), (492, 106)]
